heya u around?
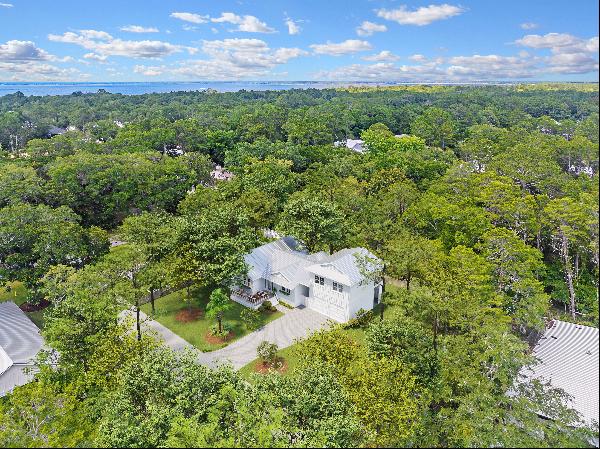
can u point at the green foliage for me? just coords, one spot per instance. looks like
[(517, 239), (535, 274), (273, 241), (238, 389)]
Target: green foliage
[(488, 209), (436, 126), (316, 221), (267, 352), (218, 304), (33, 238), (250, 318)]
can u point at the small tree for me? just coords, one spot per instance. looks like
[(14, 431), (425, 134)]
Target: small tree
[(251, 318), (217, 306), (267, 352)]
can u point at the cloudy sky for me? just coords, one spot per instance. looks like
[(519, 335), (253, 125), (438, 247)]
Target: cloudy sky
[(378, 40)]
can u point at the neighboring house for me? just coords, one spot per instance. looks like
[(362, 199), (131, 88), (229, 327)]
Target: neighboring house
[(220, 174), (353, 144), (331, 284), (20, 341), (55, 131), (568, 359)]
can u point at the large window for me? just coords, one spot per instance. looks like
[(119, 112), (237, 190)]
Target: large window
[(319, 280), (338, 287), (285, 291), (248, 282)]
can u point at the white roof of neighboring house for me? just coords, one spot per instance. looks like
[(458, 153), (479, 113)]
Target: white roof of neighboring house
[(568, 355), (353, 144), (20, 341), (288, 264)]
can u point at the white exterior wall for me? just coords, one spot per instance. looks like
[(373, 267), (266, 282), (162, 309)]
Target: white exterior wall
[(325, 300), (361, 297)]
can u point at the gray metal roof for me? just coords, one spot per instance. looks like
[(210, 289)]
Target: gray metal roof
[(20, 341), (568, 358), (286, 263)]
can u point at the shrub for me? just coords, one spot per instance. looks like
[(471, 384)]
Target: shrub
[(267, 307), (362, 317), (214, 330), (250, 318), (267, 352)]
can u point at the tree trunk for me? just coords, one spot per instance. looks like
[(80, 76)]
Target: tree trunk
[(188, 298), (568, 273), (408, 277), (137, 319), (220, 325), (152, 300), (435, 333), (381, 303)]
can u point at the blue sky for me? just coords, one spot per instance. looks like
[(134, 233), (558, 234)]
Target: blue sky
[(378, 40)]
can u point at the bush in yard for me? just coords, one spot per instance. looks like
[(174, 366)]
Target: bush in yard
[(267, 352), (267, 307), (221, 332), (250, 318)]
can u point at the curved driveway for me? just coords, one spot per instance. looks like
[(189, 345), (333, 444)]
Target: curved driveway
[(294, 324)]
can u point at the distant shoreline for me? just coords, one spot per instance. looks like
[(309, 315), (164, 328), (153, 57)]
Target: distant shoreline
[(39, 88)]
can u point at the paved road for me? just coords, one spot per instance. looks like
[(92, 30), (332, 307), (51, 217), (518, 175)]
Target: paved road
[(294, 324)]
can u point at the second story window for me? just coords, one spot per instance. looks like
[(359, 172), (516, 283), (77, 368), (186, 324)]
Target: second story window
[(319, 280), (338, 287)]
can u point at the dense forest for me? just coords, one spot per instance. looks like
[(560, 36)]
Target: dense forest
[(481, 201)]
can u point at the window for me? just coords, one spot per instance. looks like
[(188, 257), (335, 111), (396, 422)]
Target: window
[(338, 287), (285, 291), (319, 280), (248, 282)]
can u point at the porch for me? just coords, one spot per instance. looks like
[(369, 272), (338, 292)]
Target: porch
[(245, 297)]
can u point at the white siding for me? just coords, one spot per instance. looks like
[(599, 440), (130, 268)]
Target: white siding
[(361, 297), (328, 302)]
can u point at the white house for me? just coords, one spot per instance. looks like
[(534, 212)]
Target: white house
[(331, 284), (20, 341)]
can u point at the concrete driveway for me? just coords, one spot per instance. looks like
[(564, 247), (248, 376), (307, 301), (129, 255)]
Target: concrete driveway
[(294, 324)]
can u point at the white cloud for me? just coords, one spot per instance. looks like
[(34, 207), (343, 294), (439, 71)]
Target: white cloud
[(103, 44), (342, 48), (491, 67), (421, 16), (569, 54), (149, 71), (19, 51), (560, 43), (189, 17), (249, 24), (228, 59), (368, 28), (293, 27), (6, 5), (139, 29), (384, 55), (529, 25), (95, 57), (417, 58)]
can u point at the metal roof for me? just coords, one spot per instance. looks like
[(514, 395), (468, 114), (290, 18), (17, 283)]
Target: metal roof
[(20, 341), (286, 263), (568, 358)]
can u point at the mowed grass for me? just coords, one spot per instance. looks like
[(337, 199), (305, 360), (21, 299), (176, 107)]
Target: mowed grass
[(290, 355), (17, 293), (195, 332)]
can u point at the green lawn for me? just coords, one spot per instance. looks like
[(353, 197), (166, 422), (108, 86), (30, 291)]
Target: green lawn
[(291, 357), (195, 332), (17, 293)]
